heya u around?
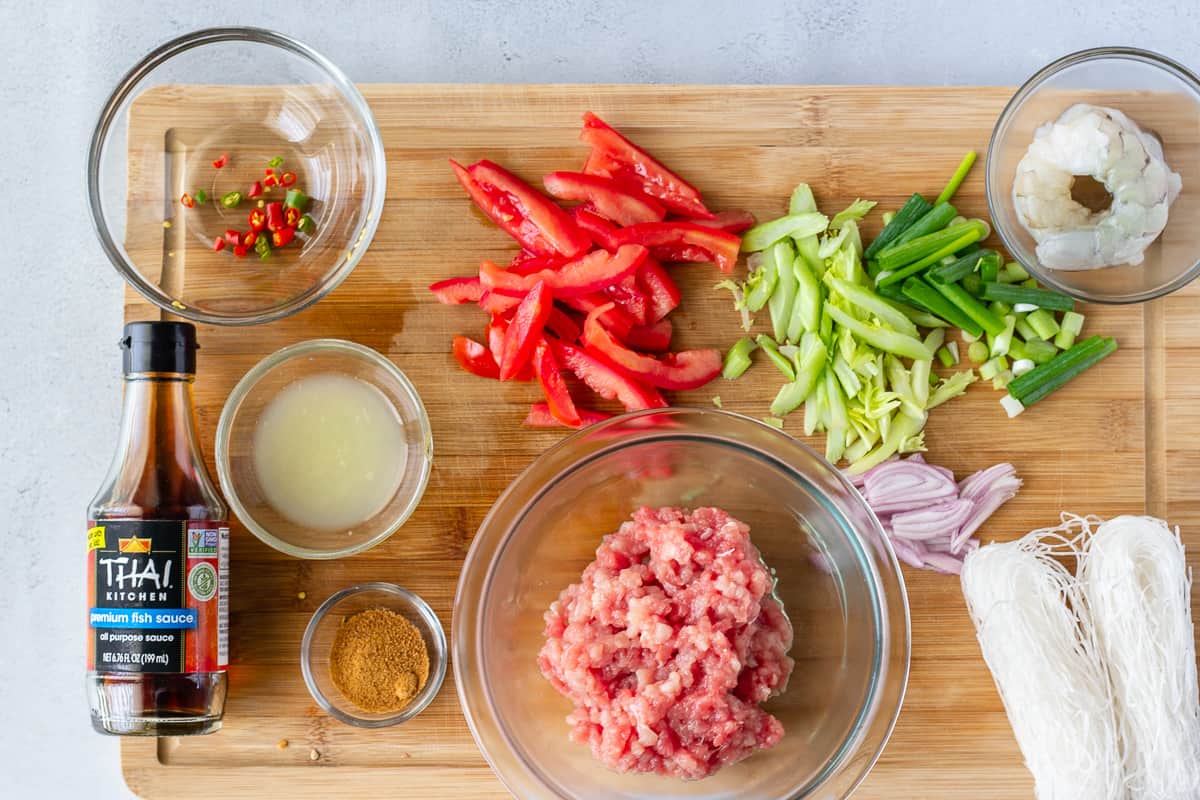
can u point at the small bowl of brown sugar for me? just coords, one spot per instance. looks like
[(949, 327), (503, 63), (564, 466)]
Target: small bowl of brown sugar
[(374, 655)]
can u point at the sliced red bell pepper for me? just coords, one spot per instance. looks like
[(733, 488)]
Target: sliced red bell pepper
[(585, 275), (610, 199), (660, 289), (674, 240), (628, 296), (528, 216), (731, 221), (558, 397), (561, 324), (525, 330), (654, 338), (615, 319), (606, 381), (275, 216), (540, 417), (456, 291), (597, 227), (527, 263), (616, 157), (496, 303), (475, 358), (495, 337), (688, 369)]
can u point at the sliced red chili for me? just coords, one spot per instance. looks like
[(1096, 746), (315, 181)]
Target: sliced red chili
[(475, 358), (558, 397), (282, 237), (219, 244), (249, 238), (257, 219), (527, 215), (291, 216), (540, 417), (525, 329), (271, 179), (688, 369), (654, 338), (275, 216), (730, 221), (660, 289), (585, 275), (616, 157), (606, 381), (232, 237), (221, 162), (240, 250), (684, 241), (256, 189), (456, 291), (610, 199), (187, 201), (600, 230), (287, 179)]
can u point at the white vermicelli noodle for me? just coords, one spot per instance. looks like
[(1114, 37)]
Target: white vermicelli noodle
[(1037, 639), (1133, 573)]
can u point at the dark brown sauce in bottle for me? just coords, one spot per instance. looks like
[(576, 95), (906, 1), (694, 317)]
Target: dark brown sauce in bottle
[(158, 475)]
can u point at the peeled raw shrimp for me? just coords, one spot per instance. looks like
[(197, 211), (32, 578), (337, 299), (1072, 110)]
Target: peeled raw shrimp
[(1110, 147)]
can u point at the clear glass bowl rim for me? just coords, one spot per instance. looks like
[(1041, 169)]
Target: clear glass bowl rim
[(251, 379), (462, 642), (134, 77), (437, 665), (1149, 57)]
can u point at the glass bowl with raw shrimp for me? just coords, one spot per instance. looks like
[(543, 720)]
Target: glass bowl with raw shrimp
[(1093, 175)]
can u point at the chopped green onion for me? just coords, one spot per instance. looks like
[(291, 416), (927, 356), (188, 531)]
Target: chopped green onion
[(953, 270), (928, 250), (993, 367), (1044, 379), (1015, 271), (737, 360), (1030, 283), (1016, 349), (778, 359), (1000, 344), (1021, 366), (980, 313), (978, 352), (1042, 321), (989, 270), (921, 292), (960, 174), (1043, 298), (1070, 326), (943, 355), (1000, 308), (908, 215), (765, 234), (973, 284), (1025, 329), (932, 221), (887, 217), (1039, 351)]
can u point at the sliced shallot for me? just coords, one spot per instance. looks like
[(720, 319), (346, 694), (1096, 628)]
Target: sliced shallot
[(933, 521)]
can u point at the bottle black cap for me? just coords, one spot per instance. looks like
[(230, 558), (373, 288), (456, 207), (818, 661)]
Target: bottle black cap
[(159, 347)]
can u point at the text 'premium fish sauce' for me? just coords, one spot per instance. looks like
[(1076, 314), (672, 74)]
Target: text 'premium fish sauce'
[(158, 554)]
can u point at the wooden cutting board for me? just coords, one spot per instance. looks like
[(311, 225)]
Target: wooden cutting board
[(1123, 439)]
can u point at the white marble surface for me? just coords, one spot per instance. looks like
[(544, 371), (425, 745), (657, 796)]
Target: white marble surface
[(61, 314)]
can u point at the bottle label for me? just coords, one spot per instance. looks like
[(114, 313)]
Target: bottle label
[(158, 596)]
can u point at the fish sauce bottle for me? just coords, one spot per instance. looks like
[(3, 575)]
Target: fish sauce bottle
[(158, 555)]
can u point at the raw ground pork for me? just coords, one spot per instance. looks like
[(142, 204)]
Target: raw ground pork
[(668, 643)]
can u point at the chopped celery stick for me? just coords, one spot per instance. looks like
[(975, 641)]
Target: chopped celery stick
[(921, 372), (761, 284), (853, 240), (908, 215), (887, 217), (857, 450), (831, 244), (1025, 329), (943, 355), (901, 428), (956, 180), (1016, 272), (778, 359), (887, 340), (1043, 322), (809, 371), (846, 376), (839, 423), (739, 301), (872, 304), (993, 367), (935, 339), (802, 200), (922, 318), (774, 422), (812, 414), (1002, 341), (781, 255), (978, 352), (953, 348), (1039, 351), (737, 360), (901, 383), (806, 309), (950, 388), (765, 234), (855, 211), (716, 401)]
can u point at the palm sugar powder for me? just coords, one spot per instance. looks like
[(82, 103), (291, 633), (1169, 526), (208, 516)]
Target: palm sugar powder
[(378, 660)]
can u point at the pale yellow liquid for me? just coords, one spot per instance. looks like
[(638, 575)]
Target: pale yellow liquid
[(329, 451)]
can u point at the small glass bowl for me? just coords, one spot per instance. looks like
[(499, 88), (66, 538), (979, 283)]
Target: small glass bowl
[(252, 95), (318, 640), (1163, 98), (235, 446)]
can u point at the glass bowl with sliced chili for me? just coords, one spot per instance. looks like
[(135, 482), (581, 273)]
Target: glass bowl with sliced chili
[(235, 176)]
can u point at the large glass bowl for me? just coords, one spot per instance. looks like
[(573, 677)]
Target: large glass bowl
[(837, 578), (1163, 98), (250, 95)]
